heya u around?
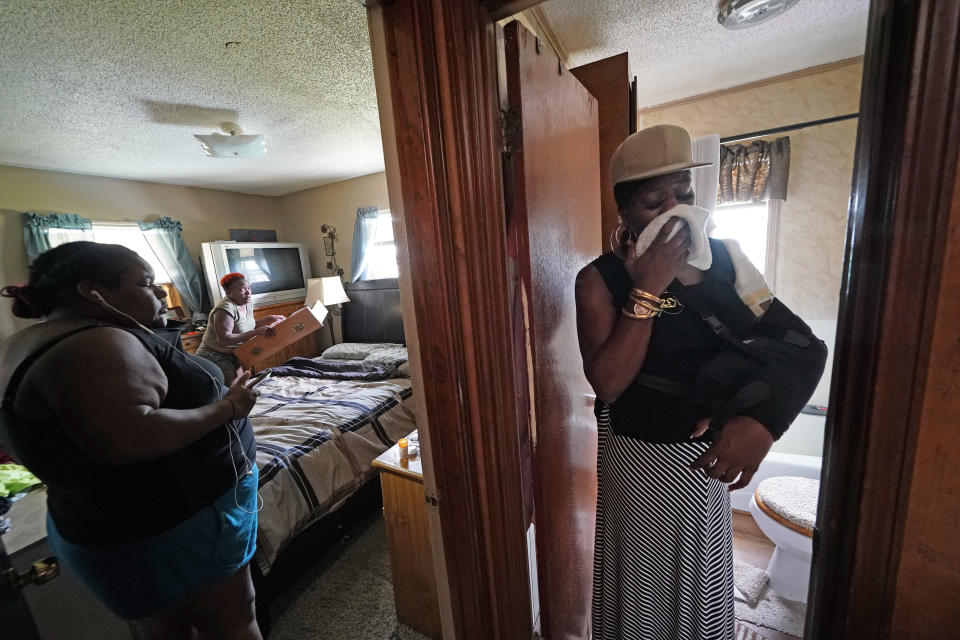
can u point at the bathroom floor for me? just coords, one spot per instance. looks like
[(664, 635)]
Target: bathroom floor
[(749, 543), (752, 547)]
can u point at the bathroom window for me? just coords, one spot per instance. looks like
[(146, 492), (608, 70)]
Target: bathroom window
[(754, 227)]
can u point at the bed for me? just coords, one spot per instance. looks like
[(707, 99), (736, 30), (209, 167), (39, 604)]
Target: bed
[(320, 422)]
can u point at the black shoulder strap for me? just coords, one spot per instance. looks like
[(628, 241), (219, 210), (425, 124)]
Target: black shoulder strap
[(689, 300), (18, 374)]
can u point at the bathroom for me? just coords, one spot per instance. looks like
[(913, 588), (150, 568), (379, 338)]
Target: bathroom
[(798, 243)]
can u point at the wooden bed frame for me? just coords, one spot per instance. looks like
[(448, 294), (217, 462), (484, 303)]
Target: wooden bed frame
[(372, 315)]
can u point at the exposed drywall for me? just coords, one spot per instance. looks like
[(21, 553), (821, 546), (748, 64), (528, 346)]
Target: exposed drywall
[(304, 212), (206, 214)]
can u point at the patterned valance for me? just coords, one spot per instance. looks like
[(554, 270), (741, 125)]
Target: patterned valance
[(755, 172)]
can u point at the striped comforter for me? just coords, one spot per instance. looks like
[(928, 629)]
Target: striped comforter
[(316, 439)]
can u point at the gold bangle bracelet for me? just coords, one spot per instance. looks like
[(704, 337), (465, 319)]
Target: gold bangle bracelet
[(640, 294), (646, 304)]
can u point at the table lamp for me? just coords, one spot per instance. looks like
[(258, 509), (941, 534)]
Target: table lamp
[(328, 292)]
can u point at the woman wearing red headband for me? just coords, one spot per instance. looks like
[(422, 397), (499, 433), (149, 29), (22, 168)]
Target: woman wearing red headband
[(231, 323)]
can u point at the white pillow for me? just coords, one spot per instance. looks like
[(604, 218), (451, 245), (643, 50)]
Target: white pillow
[(388, 353), (348, 351), (384, 351)]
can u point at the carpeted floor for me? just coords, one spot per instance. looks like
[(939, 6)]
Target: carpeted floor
[(347, 596)]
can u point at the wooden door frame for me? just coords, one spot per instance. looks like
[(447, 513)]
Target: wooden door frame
[(442, 73), (440, 59), (904, 172)]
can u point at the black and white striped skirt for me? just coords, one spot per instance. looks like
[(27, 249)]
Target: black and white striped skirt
[(663, 567)]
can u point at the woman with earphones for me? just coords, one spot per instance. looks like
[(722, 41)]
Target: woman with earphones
[(231, 323), (148, 458)]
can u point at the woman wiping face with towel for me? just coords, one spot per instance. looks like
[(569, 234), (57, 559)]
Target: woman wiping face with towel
[(663, 558)]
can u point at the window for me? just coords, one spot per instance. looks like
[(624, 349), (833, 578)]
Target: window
[(382, 250), (754, 226), (127, 234)]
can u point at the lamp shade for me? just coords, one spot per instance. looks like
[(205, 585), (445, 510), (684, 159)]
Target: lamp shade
[(327, 291)]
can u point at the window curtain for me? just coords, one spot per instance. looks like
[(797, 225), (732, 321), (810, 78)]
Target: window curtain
[(705, 179), (755, 172), (38, 230), (364, 232), (163, 236)]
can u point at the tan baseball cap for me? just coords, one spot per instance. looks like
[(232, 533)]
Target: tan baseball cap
[(650, 152)]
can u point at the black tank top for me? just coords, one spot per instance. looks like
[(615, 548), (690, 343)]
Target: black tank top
[(680, 344), (93, 503)]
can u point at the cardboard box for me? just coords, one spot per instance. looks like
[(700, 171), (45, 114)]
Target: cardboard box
[(295, 327)]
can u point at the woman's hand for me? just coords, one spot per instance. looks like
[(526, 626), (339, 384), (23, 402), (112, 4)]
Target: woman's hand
[(656, 267), (265, 325), (241, 398), (742, 445)]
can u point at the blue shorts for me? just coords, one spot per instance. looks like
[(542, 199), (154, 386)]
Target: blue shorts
[(139, 579)]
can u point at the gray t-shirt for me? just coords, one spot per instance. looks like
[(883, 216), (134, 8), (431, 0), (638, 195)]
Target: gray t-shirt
[(241, 324)]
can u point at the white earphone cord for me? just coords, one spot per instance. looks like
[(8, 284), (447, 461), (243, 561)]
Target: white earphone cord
[(231, 431)]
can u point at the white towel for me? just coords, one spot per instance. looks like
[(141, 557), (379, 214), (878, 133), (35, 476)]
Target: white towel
[(696, 218), (750, 285)]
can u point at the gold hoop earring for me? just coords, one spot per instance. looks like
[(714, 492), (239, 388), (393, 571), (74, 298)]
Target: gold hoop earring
[(615, 240)]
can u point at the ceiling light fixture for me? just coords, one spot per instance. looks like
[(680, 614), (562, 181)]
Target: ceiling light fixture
[(235, 144), (740, 14)]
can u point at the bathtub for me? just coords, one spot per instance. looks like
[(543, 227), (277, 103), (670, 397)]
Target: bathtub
[(798, 453)]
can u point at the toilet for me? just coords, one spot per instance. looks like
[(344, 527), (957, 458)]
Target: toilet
[(785, 509)]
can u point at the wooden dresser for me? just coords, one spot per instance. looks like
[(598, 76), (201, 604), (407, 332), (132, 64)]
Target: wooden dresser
[(191, 341)]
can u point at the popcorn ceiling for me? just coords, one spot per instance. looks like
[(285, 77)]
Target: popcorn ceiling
[(118, 88), (678, 49)]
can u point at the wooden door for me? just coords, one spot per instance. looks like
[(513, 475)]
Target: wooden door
[(885, 561), (553, 222), (608, 80), (436, 72)]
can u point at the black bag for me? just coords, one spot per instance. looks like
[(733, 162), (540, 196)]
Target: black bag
[(768, 374)]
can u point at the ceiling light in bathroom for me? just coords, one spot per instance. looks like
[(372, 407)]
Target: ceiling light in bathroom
[(740, 14)]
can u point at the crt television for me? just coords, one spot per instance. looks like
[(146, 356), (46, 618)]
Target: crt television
[(276, 271)]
